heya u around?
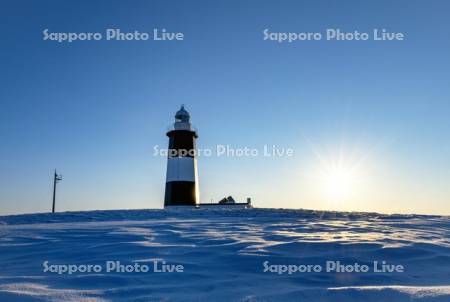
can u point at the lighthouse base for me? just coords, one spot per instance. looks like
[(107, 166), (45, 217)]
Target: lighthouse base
[(180, 193), (238, 205), (212, 206)]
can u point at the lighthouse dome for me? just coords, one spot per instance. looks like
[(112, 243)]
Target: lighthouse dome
[(182, 115)]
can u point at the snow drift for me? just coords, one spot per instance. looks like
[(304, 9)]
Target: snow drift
[(222, 253)]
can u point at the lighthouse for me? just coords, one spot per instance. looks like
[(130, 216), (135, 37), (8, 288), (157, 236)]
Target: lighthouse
[(182, 177)]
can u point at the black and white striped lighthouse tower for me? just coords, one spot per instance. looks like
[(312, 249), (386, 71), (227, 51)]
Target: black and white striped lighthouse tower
[(182, 176)]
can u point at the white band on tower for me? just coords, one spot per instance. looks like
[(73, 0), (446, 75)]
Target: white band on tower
[(181, 169)]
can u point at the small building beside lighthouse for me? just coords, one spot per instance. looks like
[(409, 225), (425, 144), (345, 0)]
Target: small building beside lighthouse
[(182, 175)]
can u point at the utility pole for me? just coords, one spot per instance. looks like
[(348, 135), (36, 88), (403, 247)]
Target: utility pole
[(56, 179)]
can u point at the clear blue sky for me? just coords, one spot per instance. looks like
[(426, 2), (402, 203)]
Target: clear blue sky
[(95, 110)]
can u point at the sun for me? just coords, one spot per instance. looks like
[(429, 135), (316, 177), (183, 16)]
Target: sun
[(338, 180), (339, 176), (339, 183)]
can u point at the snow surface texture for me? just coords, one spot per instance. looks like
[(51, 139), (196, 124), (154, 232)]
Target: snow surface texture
[(222, 252)]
